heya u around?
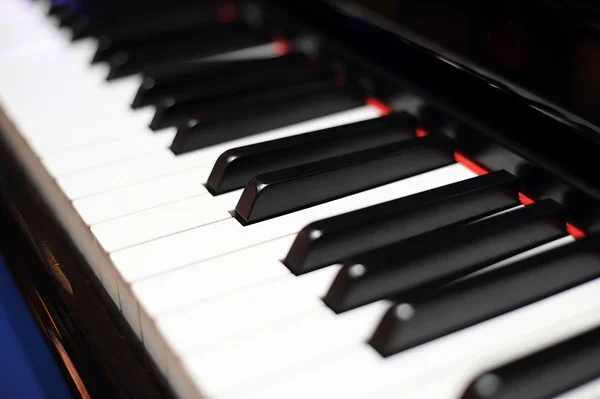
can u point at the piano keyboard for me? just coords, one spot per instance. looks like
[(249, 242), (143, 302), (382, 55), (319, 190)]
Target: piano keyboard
[(269, 230)]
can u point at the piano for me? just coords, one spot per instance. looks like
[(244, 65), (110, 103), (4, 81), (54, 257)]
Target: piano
[(306, 199)]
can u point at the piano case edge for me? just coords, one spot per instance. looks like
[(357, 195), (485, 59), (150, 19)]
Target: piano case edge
[(99, 351)]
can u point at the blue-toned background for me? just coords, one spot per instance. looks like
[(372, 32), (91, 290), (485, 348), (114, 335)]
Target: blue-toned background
[(27, 367)]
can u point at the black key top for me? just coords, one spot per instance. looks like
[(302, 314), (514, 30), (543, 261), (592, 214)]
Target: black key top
[(221, 79), (130, 20), (60, 9), (487, 295), (331, 240), (68, 15), (287, 190), (90, 15), (92, 19), (248, 90), (237, 166), (197, 44), (240, 117), (124, 32), (424, 263), (545, 374)]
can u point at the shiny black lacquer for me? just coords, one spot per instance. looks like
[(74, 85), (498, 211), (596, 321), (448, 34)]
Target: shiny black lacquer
[(199, 81), (492, 121), (226, 97), (486, 296), (545, 374), (123, 31), (286, 190), (331, 240), (194, 44), (91, 339), (237, 166), (137, 19), (420, 265), (259, 112)]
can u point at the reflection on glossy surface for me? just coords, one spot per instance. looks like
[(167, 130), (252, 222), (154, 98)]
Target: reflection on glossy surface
[(51, 261), (27, 368), (549, 47), (71, 369)]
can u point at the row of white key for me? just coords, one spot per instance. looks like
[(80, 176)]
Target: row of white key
[(184, 334), (186, 248), (335, 371), (353, 369)]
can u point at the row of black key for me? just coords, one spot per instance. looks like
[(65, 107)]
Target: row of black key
[(212, 101), (408, 249)]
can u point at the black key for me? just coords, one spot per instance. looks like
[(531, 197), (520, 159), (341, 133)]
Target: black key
[(123, 32), (487, 295), (240, 117), (197, 44), (246, 91), (86, 17), (287, 190), (68, 16), (137, 19), (421, 264), (237, 166), (60, 9), (331, 240), (81, 27), (545, 374), (221, 79)]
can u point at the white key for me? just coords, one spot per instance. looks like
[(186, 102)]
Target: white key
[(38, 46), (164, 220), (82, 138), (158, 222), (296, 294), (111, 205), (153, 165), (590, 390), (64, 163), (188, 285), (54, 130), (167, 254), (213, 279), (182, 249), (246, 310), (462, 355), (324, 377), (300, 339), (162, 161), (83, 50), (78, 184)]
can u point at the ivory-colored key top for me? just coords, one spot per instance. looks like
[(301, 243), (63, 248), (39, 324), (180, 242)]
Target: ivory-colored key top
[(139, 197), (163, 161), (158, 222), (300, 339), (463, 354), (202, 283), (158, 163), (246, 310), (63, 163), (193, 246)]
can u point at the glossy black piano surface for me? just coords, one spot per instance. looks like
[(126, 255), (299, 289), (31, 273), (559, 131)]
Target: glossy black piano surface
[(27, 367), (545, 50), (515, 84)]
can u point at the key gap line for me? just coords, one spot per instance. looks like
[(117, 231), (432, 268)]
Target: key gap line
[(151, 179), (141, 210), (166, 235), (213, 257)]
